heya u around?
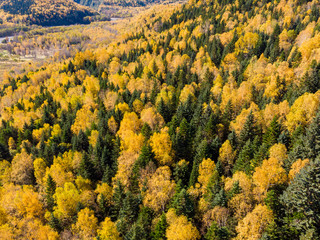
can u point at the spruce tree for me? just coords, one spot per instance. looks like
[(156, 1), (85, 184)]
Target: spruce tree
[(160, 229)]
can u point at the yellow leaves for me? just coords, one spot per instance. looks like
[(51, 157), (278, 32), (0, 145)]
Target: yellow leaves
[(104, 190), (22, 168), (152, 118), (268, 174), (21, 202), (206, 170), (230, 62), (28, 203), (244, 182), (278, 151), (84, 118), (240, 120), (302, 111), (92, 86), (218, 214), (162, 146), (38, 133), (39, 170), (309, 46), (280, 110), (246, 42), (188, 90), (296, 167), (217, 86), (59, 174), (56, 131), (110, 100), (94, 137), (165, 94), (253, 225), (113, 125), (87, 224), (108, 231), (286, 38), (5, 172), (226, 154), (67, 198), (119, 80), (180, 228), (123, 107), (160, 189)]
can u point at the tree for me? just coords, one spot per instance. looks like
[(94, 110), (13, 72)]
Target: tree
[(270, 173), (162, 147), (183, 204), (160, 189), (22, 169), (312, 139), (248, 131), (303, 196), (86, 169), (207, 171), (227, 155), (108, 230), (180, 228), (50, 190), (254, 224), (160, 228), (86, 225)]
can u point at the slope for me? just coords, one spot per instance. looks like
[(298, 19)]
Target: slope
[(44, 12), (202, 123)]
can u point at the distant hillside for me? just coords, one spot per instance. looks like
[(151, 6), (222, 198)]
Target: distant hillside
[(90, 3), (121, 3), (44, 12)]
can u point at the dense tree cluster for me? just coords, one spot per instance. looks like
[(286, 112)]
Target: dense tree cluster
[(202, 124), (44, 12)]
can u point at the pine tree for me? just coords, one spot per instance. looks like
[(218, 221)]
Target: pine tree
[(249, 130), (86, 169), (201, 153), (160, 229), (183, 204), (312, 138), (50, 190)]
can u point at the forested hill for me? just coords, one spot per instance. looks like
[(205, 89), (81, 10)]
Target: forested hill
[(123, 3), (44, 12), (203, 123)]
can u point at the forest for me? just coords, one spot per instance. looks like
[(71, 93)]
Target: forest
[(201, 122), (43, 12)]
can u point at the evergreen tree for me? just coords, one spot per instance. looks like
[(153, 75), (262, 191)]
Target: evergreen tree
[(183, 204), (249, 130), (50, 190), (160, 229), (86, 169)]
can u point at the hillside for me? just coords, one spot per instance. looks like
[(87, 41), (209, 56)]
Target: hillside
[(44, 12), (202, 122)]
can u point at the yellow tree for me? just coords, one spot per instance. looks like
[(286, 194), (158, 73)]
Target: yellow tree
[(227, 155), (67, 199), (296, 168), (160, 189), (152, 117), (22, 168), (268, 174), (206, 171), (162, 147), (278, 151), (180, 228), (253, 225), (86, 225), (108, 230)]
